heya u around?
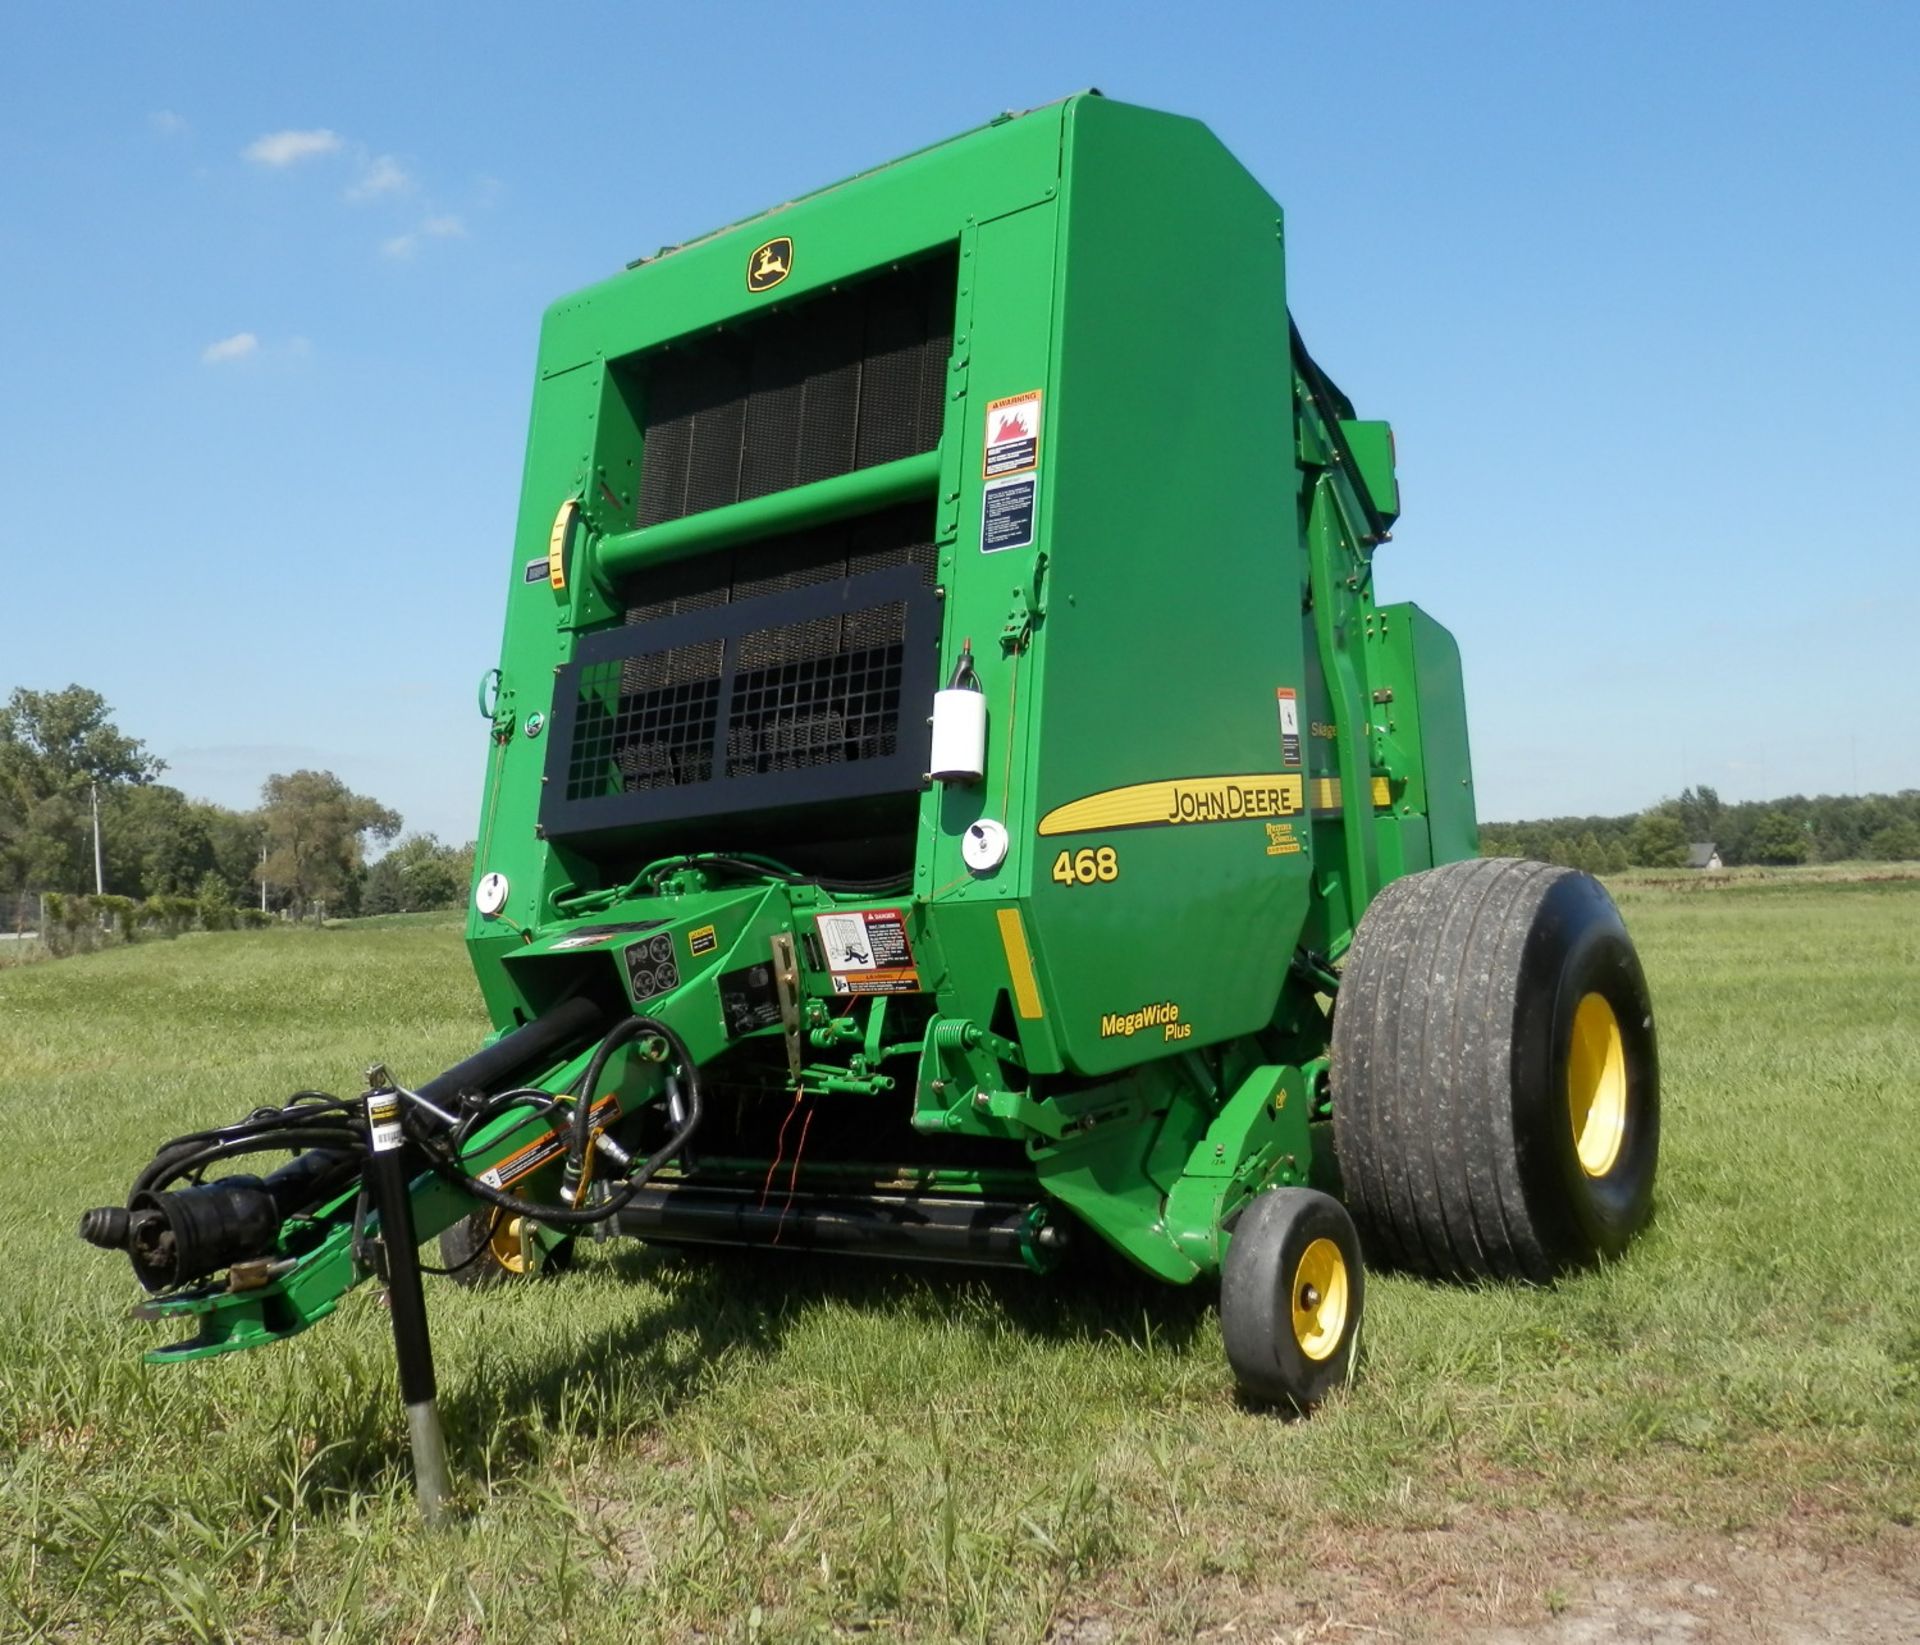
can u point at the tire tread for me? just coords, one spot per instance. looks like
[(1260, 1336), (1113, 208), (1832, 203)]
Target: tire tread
[(1422, 1072)]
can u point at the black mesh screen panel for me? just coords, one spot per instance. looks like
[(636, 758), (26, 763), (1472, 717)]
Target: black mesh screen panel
[(789, 672), (815, 693), (835, 383)]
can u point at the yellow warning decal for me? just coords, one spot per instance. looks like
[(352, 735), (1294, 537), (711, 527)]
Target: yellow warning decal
[(1326, 793), (1026, 990), (545, 1150), (1181, 800), (702, 940)]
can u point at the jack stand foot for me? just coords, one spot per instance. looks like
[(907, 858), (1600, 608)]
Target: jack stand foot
[(390, 1180), (430, 1478)]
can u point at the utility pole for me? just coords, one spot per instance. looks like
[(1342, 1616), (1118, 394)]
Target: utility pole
[(263, 876), (99, 874)]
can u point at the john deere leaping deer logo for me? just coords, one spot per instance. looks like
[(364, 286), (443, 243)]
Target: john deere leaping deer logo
[(770, 264)]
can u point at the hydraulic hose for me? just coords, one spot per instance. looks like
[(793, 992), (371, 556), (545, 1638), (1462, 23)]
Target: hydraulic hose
[(580, 1134), (450, 1170)]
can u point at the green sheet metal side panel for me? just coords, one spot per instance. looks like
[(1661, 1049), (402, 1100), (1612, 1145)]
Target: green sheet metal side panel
[(1452, 815), (1371, 443), (1003, 348), (1420, 727), (1172, 600)]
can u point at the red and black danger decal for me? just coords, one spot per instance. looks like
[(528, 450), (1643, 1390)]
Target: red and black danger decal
[(868, 952), (770, 264)]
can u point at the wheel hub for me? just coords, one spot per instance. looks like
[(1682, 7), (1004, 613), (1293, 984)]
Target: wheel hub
[(1597, 1085), (1320, 1299)]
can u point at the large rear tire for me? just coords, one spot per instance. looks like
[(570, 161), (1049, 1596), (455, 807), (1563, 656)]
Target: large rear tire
[(1495, 1079)]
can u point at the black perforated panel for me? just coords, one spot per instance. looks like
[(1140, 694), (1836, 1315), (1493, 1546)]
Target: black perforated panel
[(835, 383)]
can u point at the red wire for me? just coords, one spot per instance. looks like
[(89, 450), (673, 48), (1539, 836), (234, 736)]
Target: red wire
[(780, 1147), (794, 1175)]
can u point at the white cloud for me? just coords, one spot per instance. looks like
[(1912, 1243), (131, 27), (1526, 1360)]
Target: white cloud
[(166, 123), (237, 347), (382, 175), (403, 246), (284, 148)]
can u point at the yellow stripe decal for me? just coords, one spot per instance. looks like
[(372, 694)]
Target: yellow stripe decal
[(1325, 793), (1180, 800), (1013, 938), (557, 542)]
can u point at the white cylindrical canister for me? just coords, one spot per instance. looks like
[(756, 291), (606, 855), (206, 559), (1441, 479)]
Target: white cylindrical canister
[(959, 735)]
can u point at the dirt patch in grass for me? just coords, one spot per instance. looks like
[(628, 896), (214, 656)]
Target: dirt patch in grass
[(1539, 1579)]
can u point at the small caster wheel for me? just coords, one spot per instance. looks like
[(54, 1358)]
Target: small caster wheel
[(1291, 1292), (488, 1248)]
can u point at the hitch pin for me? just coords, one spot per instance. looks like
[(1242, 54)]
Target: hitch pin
[(432, 1108)]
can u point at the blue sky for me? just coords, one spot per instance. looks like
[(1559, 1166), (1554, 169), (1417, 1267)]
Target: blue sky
[(1635, 284)]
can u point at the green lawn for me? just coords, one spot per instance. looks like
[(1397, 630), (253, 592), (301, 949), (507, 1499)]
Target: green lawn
[(653, 1446)]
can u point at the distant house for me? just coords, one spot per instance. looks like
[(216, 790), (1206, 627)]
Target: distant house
[(1704, 854)]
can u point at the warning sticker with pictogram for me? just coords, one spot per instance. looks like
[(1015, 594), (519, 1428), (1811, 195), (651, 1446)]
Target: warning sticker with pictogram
[(868, 952), (1013, 435), (1289, 724)]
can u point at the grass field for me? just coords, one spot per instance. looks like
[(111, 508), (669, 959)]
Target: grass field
[(663, 1448)]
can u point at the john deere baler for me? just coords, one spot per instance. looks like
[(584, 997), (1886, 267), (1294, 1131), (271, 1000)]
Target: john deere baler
[(953, 793)]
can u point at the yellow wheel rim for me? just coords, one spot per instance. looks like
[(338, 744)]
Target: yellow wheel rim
[(1597, 1086), (510, 1244), (1320, 1299)]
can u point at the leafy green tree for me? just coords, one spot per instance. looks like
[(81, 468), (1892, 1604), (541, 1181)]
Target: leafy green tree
[(418, 873), (215, 900), (1777, 838), (54, 746), (1657, 841), (1698, 811), (234, 838), (156, 841), (316, 833), (59, 741), (49, 844), (1897, 842), (1616, 857)]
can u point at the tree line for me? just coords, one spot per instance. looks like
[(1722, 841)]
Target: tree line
[(166, 859), (1825, 828)]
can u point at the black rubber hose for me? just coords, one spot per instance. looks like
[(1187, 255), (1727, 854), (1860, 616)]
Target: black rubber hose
[(170, 1166), (580, 1134), (525, 1096), (537, 1043), (560, 1216), (265, 1121)]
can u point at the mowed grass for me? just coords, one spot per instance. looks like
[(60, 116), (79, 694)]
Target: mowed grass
[(657, 1447)]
